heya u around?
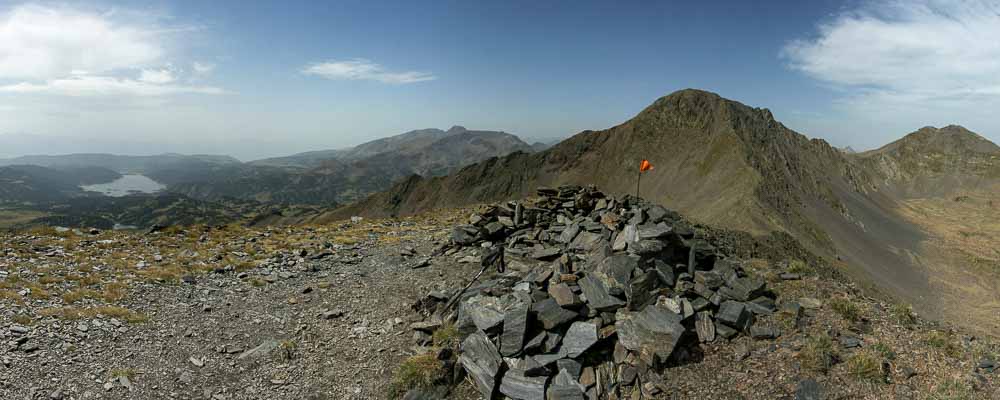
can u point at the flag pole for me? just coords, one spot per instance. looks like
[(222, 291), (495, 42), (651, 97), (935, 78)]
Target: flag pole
[(637, 180)]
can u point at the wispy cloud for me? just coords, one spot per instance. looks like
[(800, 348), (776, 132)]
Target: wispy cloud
[(60, 50), (156, 76), (105, 86), (202, 68), (907, 51), (362, 69)]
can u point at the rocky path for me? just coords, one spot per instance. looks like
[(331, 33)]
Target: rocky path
[(325, 329)]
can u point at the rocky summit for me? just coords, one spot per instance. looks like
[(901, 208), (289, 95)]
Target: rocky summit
[(626, 290)]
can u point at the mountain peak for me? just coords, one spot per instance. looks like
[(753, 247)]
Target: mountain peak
[(456, 129), (948, 139)]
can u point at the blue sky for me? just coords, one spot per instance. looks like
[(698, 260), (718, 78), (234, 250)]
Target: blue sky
[(268, 78)]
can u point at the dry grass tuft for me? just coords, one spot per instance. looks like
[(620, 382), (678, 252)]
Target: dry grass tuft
[(419, 371), (818, 354)]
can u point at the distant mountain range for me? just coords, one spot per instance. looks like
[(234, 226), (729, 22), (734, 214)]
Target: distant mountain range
[(880, 214), (210, 182)]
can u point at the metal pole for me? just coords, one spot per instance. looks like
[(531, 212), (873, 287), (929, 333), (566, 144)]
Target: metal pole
[(637, 180)]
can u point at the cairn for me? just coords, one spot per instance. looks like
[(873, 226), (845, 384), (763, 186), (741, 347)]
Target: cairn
[(601, 294)]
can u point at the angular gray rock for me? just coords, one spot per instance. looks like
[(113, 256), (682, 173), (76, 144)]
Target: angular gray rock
[(550, 314), (653, 332), (586, 241), (464, 235), (519, 387), (735, 315), (764, 332), (482, 361), (515, 323), (596, 292), (565, 387), (579, 338)]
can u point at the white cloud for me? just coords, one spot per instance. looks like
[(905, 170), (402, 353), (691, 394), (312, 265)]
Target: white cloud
[(201, 68), (63, 51), (105, 86), (362, 69), (912, 51), (38, 42), (156, 76)]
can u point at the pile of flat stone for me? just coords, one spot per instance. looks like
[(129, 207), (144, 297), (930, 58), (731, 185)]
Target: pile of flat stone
[(601, 294)]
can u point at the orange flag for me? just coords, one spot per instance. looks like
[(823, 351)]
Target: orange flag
[(645, 166)]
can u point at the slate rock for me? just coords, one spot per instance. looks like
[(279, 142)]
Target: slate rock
[(639, 291), (764, 332), (519, 387), (987, 364), (573, 367), (569, 233), (579, 338), (515, 323), (761, 306), (547, 253), (564, 296), (586, 241), (705, 327), (653, 332), (657, 231), (596, 291), (464, 235), (482, 361), (735, 315), (564, 387), (808, 389), (743, 289), (535, 342), (711, 279), (550, 314), (619, 268), (647, 247), (627, 236), (724, 331)]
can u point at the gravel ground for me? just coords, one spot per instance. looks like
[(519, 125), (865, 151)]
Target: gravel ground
[(336, 328)]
